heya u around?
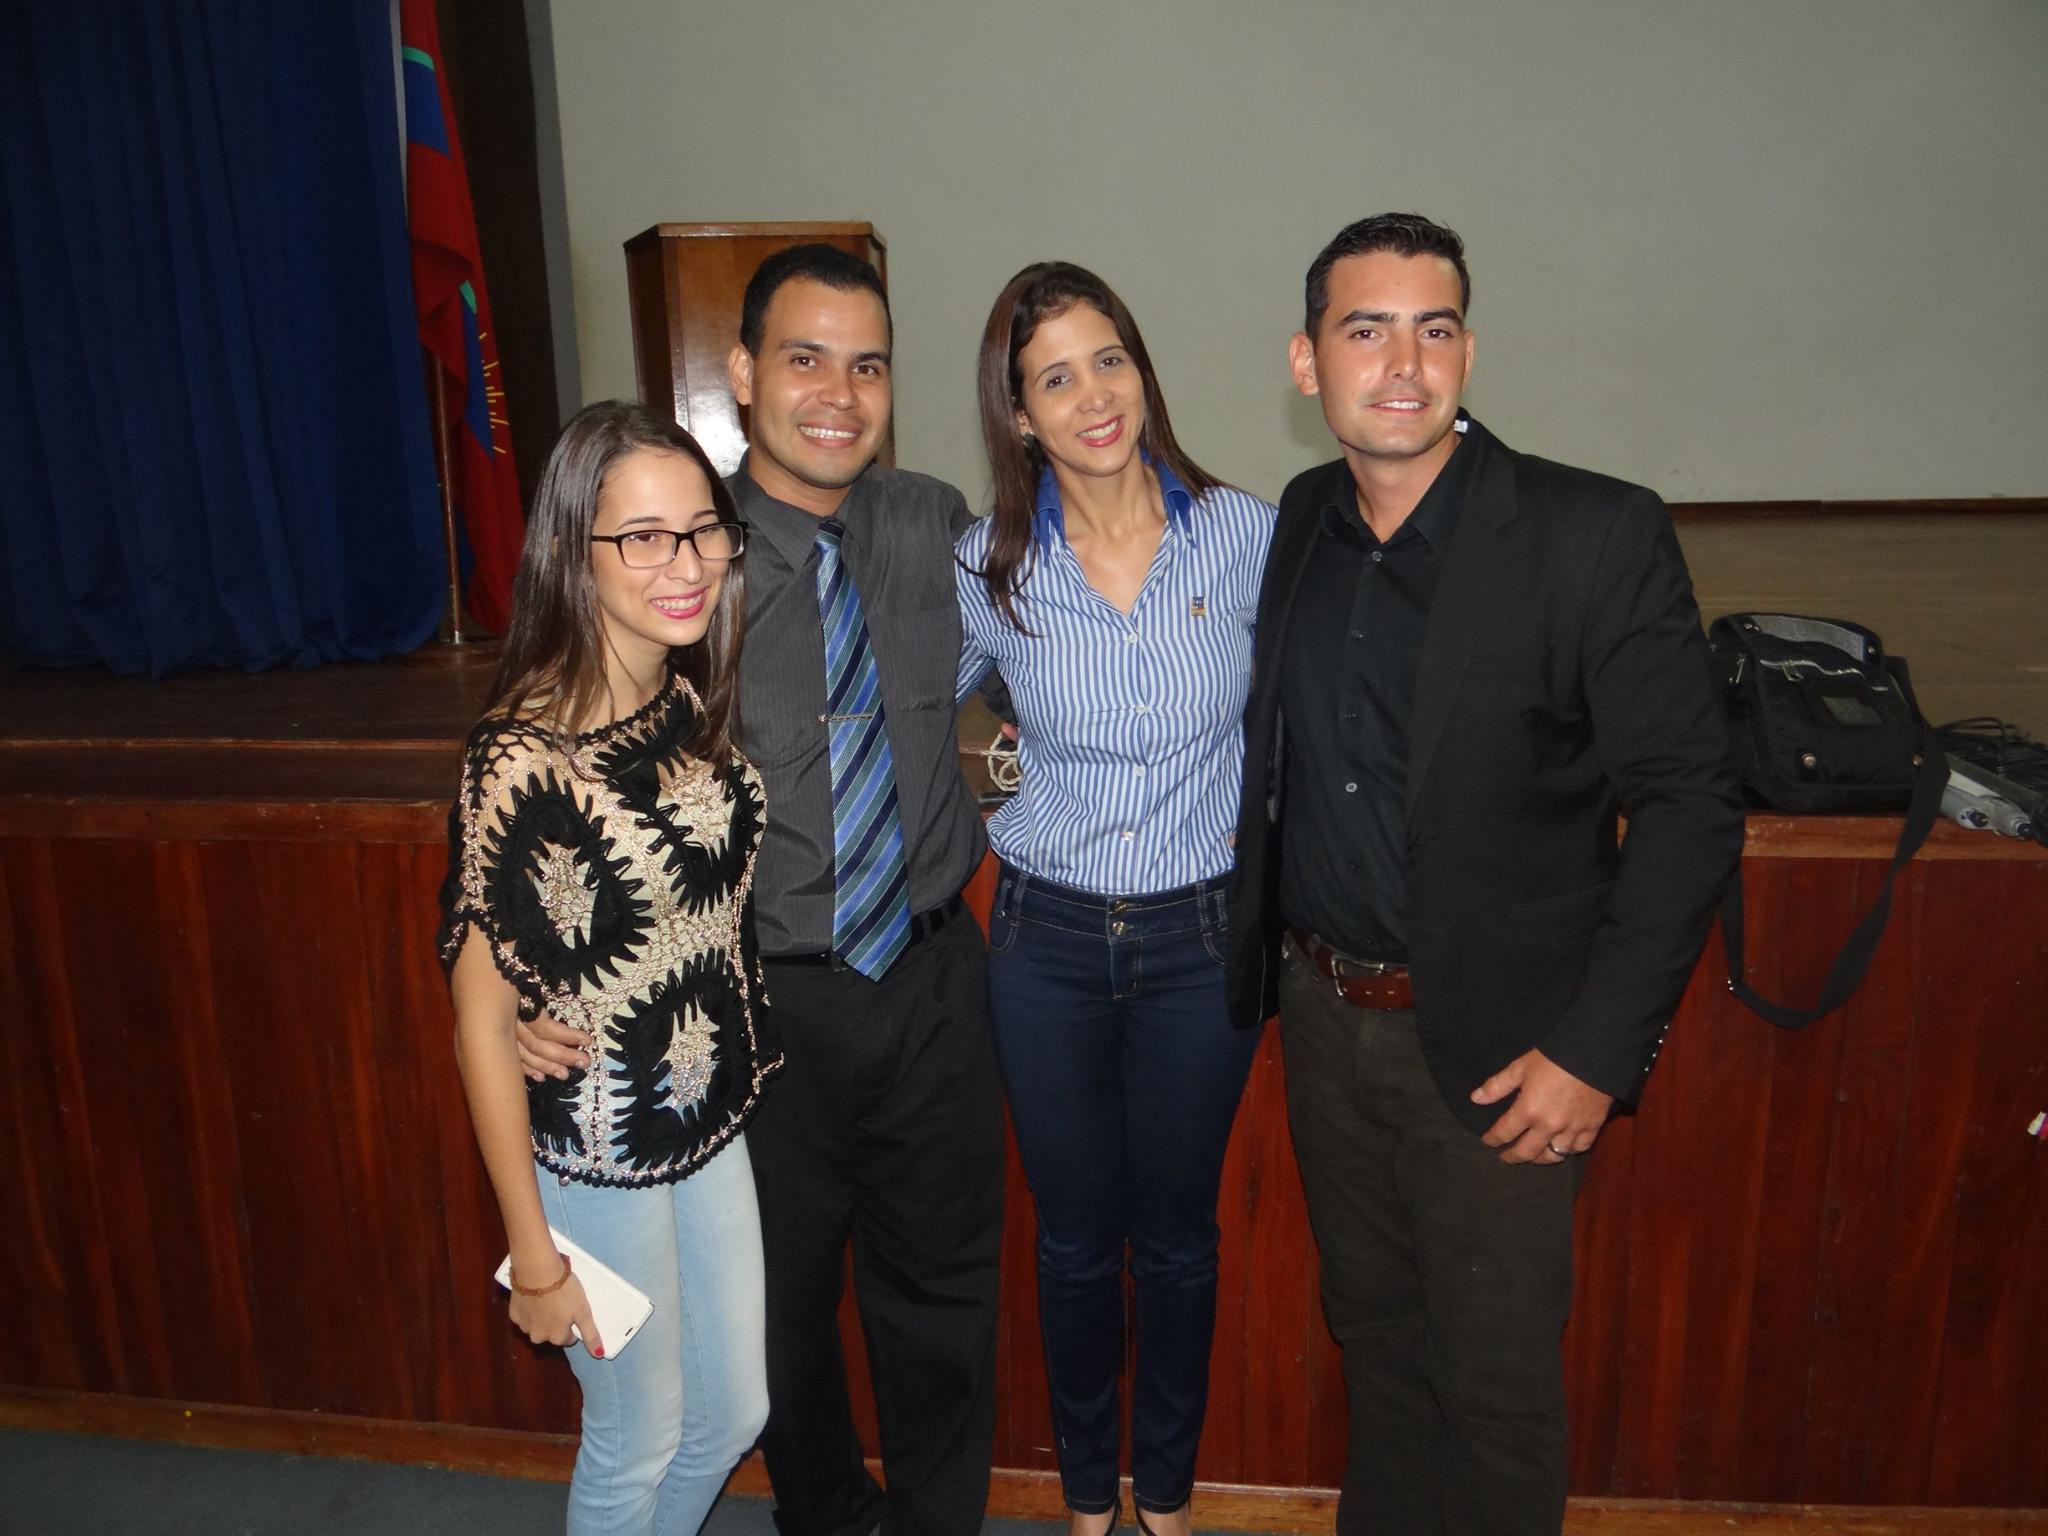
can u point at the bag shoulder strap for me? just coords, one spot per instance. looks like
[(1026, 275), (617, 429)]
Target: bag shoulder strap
[(1852, 962)]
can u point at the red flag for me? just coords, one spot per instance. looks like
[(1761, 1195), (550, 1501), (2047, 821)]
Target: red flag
[(455, 321)]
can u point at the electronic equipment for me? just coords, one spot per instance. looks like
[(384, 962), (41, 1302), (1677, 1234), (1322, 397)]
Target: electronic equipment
[(2000, 770)]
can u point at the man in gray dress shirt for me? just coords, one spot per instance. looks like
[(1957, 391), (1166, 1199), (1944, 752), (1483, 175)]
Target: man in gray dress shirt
[(885, 1125)]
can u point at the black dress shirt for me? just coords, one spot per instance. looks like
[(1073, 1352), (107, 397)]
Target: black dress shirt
[(898, 548), (1346, 693)]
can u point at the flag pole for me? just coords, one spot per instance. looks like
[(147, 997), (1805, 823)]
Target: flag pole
[(452, 627)]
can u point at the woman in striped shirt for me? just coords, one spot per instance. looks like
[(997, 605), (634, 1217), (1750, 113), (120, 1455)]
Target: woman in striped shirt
[(1114, 589)]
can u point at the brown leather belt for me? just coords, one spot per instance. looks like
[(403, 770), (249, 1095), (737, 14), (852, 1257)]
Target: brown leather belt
[(1361, 983)]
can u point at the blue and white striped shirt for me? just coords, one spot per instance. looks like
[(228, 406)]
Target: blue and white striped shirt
[(1130, 726)]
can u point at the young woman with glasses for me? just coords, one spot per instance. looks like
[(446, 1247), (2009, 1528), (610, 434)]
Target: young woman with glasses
[(601, 864)]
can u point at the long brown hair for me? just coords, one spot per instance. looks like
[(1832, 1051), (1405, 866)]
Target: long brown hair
[(553, 658), (1044, 291)]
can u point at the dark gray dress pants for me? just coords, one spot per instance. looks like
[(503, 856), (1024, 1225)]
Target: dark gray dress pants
[(1446, 1280)]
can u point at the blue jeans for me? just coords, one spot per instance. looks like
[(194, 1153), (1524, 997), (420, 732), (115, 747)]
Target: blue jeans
[(667, 1419), (1123, 1072)]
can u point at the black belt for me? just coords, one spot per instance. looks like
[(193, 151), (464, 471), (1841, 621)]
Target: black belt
[(922, 926)]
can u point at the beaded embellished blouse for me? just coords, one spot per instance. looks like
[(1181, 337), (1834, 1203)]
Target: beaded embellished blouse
[(613, 883)]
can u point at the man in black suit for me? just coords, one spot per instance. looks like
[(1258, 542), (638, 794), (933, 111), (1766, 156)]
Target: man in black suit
[(1468, 660)]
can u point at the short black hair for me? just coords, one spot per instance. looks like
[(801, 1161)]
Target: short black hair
[(1405, 234), (825, 264)]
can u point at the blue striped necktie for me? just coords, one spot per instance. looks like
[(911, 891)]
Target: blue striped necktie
[(871, 906)]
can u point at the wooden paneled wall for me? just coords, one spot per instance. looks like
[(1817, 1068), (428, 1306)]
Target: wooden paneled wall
[(1810, 1271)]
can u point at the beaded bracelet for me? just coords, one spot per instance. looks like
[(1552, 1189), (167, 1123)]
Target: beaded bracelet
[(544, 1290)]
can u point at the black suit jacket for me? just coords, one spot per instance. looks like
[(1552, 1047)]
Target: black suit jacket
[(1563, 676)]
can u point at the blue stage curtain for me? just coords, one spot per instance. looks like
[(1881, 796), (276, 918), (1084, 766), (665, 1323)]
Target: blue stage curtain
[(213, 434)]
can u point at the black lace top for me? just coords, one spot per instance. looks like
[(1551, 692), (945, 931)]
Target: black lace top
[(613, 884)]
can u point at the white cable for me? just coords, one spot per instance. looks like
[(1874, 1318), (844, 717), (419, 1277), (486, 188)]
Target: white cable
[(1004, 771)]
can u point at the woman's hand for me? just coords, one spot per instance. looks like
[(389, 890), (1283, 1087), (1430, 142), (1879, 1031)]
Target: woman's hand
[(547, 1319)]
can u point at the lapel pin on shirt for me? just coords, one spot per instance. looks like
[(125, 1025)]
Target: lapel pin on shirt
[(1198, 608)]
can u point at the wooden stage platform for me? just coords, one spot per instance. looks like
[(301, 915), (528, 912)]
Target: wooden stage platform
[(246, 1202), (386, 733)]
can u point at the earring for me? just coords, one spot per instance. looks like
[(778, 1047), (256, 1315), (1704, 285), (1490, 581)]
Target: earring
[(1030, 440)]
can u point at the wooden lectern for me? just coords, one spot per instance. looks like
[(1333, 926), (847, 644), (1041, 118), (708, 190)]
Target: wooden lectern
[(684, 283)]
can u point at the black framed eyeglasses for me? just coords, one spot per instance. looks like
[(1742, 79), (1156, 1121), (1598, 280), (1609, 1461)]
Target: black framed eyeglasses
[(647, 548)]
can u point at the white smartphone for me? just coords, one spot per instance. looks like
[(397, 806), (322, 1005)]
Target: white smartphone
[(618, 1306)]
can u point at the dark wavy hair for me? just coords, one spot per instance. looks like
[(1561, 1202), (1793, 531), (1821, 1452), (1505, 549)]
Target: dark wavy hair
[(1044, 291), (1405, 234), (553, 657)]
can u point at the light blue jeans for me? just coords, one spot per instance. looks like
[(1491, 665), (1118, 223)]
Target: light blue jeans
[(665, 1421)]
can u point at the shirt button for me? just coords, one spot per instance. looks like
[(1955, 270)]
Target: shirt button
[(1378, 555), (1131, 638), (1351, 789), (1126, 835), (1358, 634), (1139, 770), (1144, 709)]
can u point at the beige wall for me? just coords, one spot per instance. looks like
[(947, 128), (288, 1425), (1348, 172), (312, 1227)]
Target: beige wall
[(1735, 249)]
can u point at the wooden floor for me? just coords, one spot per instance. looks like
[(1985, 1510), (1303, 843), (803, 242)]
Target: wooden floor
[(1962, 596)]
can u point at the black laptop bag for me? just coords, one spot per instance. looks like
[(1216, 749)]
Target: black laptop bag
[(1823, 721)]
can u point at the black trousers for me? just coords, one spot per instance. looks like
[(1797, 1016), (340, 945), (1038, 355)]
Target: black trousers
[(1446, 1279), (884, 1127)]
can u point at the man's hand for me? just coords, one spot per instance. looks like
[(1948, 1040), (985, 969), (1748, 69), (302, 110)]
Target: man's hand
[(550, 1049), (1553, 1117)]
